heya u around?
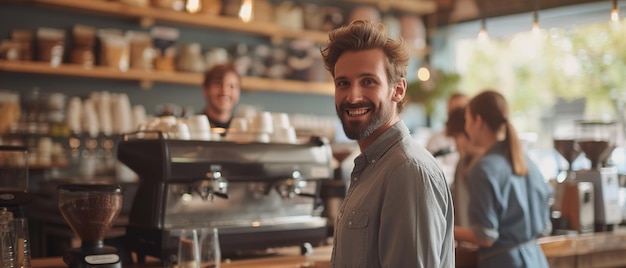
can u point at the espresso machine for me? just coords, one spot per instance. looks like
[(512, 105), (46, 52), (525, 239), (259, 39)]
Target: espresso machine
[(258, 195), (573, 199), (597, 139)]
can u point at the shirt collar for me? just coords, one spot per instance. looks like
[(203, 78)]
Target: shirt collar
[(383, 143), (498, 147)]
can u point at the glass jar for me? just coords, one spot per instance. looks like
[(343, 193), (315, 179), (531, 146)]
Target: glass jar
[(10, 110)]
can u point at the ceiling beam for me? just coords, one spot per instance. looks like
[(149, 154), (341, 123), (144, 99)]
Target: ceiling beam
[(498, 8), (420, 7)]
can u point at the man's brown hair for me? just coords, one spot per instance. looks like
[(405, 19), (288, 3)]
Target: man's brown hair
[(217, 72)]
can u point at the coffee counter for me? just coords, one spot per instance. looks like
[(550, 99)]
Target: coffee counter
[(593, 250), (283, 258), (586, 251), (578, 251)]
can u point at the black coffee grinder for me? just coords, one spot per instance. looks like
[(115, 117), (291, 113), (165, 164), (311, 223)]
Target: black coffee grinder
[(14, 179), (573, 207), (91, 209), (597, 139)]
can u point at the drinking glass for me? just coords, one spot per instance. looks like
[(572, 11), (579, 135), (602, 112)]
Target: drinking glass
[(22, 242), (188, 249), (210, 253), (7, 239), (199, 248)]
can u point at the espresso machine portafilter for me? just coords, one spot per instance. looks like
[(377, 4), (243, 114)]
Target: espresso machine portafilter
[(258, 195)]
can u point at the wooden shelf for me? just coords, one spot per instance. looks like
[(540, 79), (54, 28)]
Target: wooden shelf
[(148, 77), (148, 15)]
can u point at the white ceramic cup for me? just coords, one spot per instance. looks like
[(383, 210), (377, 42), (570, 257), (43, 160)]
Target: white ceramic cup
[(199, 127), (281, 120), (284, 135), (181, 131), (73, 114), (263, 122), (139, 115), (239, 125), (261, 137)]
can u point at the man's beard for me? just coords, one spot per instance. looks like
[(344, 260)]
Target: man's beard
[(354, 130)]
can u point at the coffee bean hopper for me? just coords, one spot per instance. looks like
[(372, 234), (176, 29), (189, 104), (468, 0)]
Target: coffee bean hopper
[(91, 209)]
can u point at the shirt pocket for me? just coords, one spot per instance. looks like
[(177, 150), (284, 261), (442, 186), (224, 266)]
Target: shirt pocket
[(357, 219), (356, 231)]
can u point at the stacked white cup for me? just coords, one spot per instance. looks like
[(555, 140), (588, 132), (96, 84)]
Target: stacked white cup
[(262, 127), (199, 127), (283, 131), (121, 112), (89, 119), (263, 123), (73, 117), (238, 130)]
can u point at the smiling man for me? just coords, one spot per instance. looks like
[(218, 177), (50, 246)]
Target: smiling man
[(221, 89), (398, 210)]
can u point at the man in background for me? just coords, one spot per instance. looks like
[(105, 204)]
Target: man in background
[(221, 88), (442, 146)]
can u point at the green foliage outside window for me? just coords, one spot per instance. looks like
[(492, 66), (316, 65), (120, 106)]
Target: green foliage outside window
[(532, 71), (439, 87)]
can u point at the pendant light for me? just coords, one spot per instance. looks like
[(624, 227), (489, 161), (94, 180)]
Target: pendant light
[(482, 34), (193, 6), (423, 74), (245, 12), (614, 12), (535, 28)]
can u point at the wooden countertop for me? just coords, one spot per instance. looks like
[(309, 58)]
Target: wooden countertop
[(288, 257), (577, 251)]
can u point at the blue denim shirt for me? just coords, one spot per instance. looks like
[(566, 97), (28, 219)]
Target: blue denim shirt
[(509, 210)]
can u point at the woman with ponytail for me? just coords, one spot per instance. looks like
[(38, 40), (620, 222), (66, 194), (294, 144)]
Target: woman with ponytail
[(508, 206)]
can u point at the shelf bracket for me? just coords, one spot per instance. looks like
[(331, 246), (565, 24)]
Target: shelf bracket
[(277, 39), (146, 84), (146, 22)]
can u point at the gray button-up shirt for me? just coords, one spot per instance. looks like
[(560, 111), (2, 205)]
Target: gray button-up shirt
[(398, 210)]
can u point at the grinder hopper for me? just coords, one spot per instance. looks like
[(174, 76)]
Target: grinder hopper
[(597, 140), (569, 149)]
